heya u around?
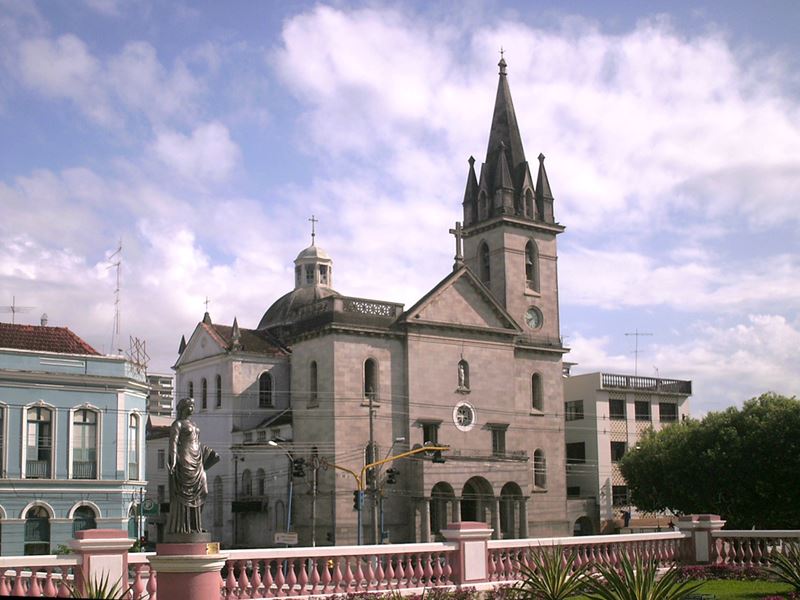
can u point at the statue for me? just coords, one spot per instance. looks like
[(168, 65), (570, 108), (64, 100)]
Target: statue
[(463, 376), (187, 461)]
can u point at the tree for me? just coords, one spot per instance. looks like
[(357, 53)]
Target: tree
[(741, 464)]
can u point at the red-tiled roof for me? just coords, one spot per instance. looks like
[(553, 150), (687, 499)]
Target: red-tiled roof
[(46, 339)]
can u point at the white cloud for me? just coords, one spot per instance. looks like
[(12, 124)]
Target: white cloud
[(208, 153)]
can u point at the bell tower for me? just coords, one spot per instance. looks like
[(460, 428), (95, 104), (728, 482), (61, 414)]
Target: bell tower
[(509, 229)]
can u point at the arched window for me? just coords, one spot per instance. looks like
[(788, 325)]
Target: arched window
[(483, 258), (539, 470), (313, 399), (203, 393), (84, 517), (537, 393), (39, 455), (133, 447), (191, 389), (218, 501), (218, 391), (37, 531), (463, 375), (260, 482), (371, 379), (84, 444), (531, 266), (265, 390), (247, 483), (280, 516)]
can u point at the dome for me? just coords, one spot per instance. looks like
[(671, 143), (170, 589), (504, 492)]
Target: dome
[(279, 313), (312, 253)]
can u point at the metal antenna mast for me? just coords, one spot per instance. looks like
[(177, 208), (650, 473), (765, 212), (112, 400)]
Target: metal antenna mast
[(14, 309), (118, 266), (637, 334)]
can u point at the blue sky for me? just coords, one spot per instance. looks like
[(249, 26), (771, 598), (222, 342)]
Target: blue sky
[(205, 135)]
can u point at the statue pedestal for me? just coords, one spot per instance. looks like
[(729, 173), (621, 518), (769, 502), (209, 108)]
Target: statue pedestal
[(188, 570)]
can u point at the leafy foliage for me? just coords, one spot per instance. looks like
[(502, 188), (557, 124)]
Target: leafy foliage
[(786, 566), (720, 573), (100, 587), (553, 576), (739, 463), (638, 580)]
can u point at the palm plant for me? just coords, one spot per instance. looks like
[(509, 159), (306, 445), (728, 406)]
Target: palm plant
[(101, 588), (639, 580), (552, 576), (786, 566)]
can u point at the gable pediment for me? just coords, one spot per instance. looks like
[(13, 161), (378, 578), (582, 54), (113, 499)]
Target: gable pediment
[(202, 344), (460, 300)]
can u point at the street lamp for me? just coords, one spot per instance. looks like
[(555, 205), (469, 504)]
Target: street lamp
[(275, 443)]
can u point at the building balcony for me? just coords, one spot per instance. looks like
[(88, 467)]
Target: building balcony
[(646, 384), (485, 454), (37, 469), (84, 469)]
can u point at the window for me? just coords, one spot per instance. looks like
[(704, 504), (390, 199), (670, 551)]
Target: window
[(247, 483), (84, 444), (218, 391), (499, 441), (265, 390), (298, 271), (203, 393), (617, 451), (573, 410), (161, 494), (37, 531), (161, 458), (260, 482), (191, 389), (323, 274), (642, 410), (483, 258), (616, 408), (573, 491), (576, 454), (218, 501), (668, 412), (84, 517), (248, 437), (262, 436), (531, 266), (40, 443), (309, 274), (313, 399), (537, 400), (539, 470), (371, 379), (619, 495), (133, 447), (430, 433)]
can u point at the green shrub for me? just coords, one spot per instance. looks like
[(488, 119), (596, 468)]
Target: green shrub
[(553, 576), (638, 580), (786, 566)]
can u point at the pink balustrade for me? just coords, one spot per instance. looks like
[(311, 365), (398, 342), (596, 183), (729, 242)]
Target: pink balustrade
[(507, 556), (46, 576), (141, 576), (276, 573), (751, 548)]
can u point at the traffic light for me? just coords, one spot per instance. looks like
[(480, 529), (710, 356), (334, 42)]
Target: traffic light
[(358, 499), (298, 467), (437, 457), (391, 476)]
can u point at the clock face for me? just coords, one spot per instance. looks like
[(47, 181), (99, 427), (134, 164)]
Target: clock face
[(464, 416), (533, 318)]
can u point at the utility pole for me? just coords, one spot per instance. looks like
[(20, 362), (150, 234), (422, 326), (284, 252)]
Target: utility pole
[(236, 459), (314, 484), (372, 476)]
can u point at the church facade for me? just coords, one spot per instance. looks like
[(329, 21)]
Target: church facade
[(476, 365)]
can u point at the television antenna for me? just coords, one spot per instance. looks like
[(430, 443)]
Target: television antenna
[(637, 334), (15, 308), (137, 354), (116, 264)]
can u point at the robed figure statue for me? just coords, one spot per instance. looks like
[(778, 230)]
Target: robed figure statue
[(187, 461)]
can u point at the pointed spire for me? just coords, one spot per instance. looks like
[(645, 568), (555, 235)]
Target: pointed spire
[(502, 176), (182, 347), (504, 130), (470, 203), (542, 184), (207, 318), (236, 336)]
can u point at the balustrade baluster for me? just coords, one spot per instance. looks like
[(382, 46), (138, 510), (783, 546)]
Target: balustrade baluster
[(348, 574), (138, 585), (34, 589), (302, 577), (326, 565), (314, 579), (48, 590), (427, 568), (337, 574), (244, 581), (369, 576), (447, 570), (255, 581), (492, 568), (437, 568), (18, 589), (390, 575), (380, 574), (63, 585), (291, 576), (152, 585), (418, 572), (358, 576), (279, 579), (268, 581)]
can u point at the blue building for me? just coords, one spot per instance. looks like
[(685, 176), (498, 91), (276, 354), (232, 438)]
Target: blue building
[(71, 438)]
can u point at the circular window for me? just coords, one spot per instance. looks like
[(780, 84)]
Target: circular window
[(464, 416)]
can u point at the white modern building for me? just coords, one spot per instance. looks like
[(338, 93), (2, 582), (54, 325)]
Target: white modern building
[(605, 415)]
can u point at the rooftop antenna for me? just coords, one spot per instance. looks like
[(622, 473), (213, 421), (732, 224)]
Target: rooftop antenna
[(14, 309), (137, 354), (314, 221), (637, 334), (118, 266)]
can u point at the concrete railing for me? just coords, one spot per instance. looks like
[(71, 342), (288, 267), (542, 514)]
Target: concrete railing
[(751, 548)]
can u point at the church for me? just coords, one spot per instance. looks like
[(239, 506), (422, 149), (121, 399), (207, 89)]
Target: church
[(327, 383)]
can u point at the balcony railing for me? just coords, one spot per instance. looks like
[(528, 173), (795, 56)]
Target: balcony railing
[(84, 469), (487, 453), (133, 470), (37, 469), (649, 384)]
